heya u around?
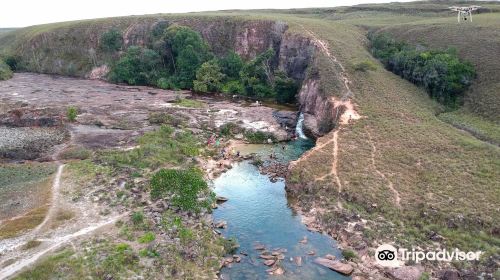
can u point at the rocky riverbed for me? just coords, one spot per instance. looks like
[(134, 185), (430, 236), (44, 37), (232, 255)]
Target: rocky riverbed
[(34, 108)]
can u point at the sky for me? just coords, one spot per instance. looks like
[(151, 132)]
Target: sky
[(20, 13)]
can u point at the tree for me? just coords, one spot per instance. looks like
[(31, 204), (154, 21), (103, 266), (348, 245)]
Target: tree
[(257, 75), (444, 76), (286, 88), (139, 66), (186, 51), (231, 65), (188, 61), (111, 40), (208, 77)]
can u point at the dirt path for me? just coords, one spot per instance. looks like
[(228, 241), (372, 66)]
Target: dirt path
[(54, 243), (390, 185), (348, 114), (56, 185)]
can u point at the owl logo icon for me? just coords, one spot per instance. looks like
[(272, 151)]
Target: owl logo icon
[(387, 255)]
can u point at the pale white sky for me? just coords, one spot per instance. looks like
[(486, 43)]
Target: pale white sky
[(19, 13)]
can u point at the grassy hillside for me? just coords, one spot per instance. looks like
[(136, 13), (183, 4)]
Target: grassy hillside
[(400, 166)]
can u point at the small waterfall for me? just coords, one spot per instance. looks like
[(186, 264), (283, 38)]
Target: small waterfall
[(300, 125)]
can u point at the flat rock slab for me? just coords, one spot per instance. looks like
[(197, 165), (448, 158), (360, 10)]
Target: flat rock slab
[(337, 266)]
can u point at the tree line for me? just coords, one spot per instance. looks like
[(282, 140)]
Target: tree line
[(444, 76), (177, 57)]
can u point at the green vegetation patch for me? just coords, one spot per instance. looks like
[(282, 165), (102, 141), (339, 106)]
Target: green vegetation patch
[(189, 103), (155, 149), (186, 186), (259, 137), (479, 127), (72, 113), (13, 174), (178, 58), (444, 76), (5, 71)]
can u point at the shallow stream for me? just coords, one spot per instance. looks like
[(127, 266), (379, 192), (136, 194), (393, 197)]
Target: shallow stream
[(257, 213)]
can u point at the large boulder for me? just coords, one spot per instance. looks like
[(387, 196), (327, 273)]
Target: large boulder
[(338, 266)]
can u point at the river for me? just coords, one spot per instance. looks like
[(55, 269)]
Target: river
[(257, 213)]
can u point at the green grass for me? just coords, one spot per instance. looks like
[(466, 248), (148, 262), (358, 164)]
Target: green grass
[(147, 237), (13, 174), (189, 103), (76, 153), (481, 128), (157, 148), (480, 48)]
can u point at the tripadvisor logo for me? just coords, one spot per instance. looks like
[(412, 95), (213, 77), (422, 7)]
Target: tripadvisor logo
[(388, 256)]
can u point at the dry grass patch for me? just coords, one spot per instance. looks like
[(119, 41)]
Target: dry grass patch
[(30, 220)]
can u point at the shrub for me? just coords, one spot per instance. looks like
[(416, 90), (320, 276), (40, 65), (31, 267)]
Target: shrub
[(111, 41), (147, 237), (441, 73), (72, 113), (185, 185), (5, 71), (186, 235), (148, 253), (139, 66), (208, 77), (229, 129), (285, 88), (349, 254), (233, 87), (137, 218), (259, 137), (12, 61), (230, 245), (364, 66), (166, 83)]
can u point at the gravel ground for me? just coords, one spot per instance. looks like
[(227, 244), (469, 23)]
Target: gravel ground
[(28, 143)]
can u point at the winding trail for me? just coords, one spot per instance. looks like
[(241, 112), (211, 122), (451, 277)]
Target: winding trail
[(56, 185), (390, 185), (56, 242), (344, 119)]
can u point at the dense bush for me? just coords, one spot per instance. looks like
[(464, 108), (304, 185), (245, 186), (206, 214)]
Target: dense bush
[(111, 41), (231, 65), (185, 185), (5, 71), (233, 87), (441, 73), (12, 61), (208, 77), (187, 52), (139, 66), (286, 88), (257, 77)]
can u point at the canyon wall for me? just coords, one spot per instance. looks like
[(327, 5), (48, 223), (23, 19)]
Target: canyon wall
[(72, 49)]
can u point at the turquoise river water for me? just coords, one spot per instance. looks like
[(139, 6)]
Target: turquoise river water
[(258, 212)]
